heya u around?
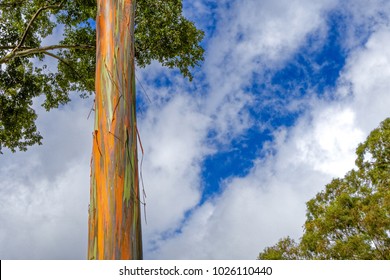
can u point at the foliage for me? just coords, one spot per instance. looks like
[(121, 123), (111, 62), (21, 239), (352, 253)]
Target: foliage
[(285, 249), (350, 219), (161, 33)]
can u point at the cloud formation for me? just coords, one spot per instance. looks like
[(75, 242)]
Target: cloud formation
[(255, 211), (44, 192)]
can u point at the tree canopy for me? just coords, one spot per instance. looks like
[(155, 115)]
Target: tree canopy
[(350, 219), (162, 33)]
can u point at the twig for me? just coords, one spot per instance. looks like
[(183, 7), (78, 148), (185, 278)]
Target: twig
[(92, 109), (146, 94), (140, 173)]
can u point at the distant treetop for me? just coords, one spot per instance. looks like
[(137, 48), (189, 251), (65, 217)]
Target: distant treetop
[(350, 219)]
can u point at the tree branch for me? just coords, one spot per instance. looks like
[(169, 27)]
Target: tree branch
[(58, 58), (27, 51), (63, 61), (33, 19)]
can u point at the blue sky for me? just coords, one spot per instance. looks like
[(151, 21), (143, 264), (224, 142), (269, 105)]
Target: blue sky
[(286, 92)]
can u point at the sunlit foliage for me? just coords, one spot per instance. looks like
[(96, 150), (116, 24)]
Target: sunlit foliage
[(350, 219)]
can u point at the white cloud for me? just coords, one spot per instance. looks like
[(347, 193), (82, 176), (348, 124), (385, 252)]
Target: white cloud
[(46, 218), (252, 37), (44, 191), (172, 138), (363, 18), (256, 210), (367, 76), (269, 203), (175, 139), (327, 140)]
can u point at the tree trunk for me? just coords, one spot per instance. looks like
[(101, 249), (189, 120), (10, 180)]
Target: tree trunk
[(114, 211)]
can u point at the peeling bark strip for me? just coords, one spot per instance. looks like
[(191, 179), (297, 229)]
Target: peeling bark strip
[(114, 215)]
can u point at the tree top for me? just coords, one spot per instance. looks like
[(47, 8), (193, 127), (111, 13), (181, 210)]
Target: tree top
[(349, 219)]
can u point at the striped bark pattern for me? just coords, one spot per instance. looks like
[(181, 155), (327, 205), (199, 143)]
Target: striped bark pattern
[(114, 211)]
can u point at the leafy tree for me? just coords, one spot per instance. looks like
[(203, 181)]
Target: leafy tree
[(350, 219), (93, 55)]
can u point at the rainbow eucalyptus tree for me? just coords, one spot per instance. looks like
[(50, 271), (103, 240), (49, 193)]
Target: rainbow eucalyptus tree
[(100, 44)]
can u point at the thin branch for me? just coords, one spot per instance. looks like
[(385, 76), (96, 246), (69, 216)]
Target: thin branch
[(63, 61), (141, 175), (146, 94), (26, 52), (32, 21), (59, 58), (92, 109)]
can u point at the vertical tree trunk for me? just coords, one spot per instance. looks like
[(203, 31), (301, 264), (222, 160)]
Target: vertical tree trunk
[(114, 214)]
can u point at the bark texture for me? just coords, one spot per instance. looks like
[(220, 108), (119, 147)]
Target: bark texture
[(114, 212)]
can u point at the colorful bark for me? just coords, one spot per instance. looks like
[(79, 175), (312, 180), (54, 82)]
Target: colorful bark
[(114, 212)]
